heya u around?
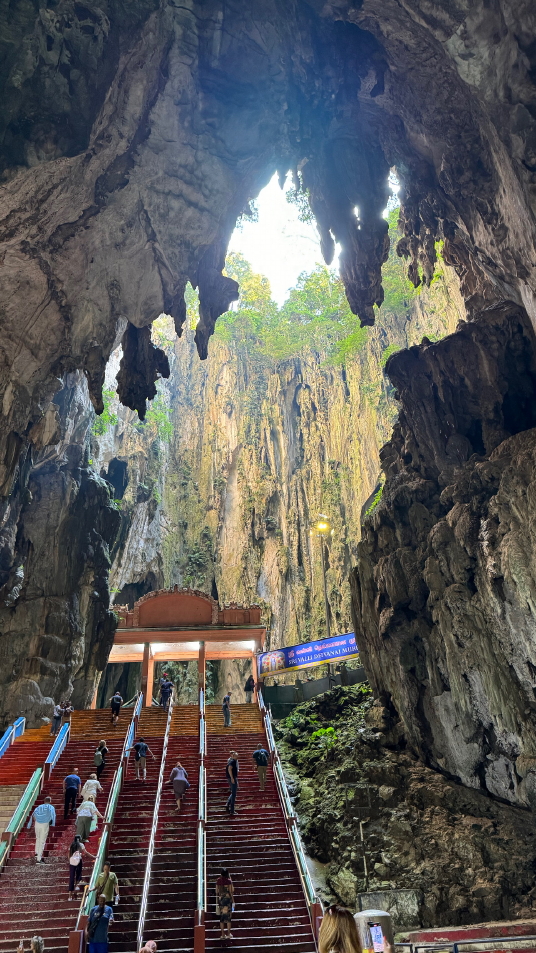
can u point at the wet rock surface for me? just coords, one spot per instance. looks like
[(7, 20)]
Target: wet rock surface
[(464, 856)]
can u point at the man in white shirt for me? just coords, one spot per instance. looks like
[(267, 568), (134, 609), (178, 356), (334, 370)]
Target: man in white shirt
[(43, 816)]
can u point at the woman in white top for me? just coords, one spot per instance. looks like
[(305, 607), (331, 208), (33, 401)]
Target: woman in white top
[(91, 787), (84, 816)]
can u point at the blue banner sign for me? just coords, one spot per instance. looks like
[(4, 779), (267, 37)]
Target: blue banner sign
[(307, 654)]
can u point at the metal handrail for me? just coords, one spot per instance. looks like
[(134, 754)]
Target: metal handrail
[(202, 738), (7, 739), (113, 796), (19, 727), (131, 730), (290, 815), (201, 703), (58, 747), (28, 798), (202, 800), (109, 813), (88, 898), (201, 869), (150, 851)]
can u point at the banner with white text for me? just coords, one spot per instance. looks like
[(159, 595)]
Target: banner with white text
[(307, 654)]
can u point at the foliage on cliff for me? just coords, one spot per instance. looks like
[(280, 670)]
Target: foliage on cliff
[(464, 856)]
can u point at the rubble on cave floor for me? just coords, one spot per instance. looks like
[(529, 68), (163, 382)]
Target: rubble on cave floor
[(459, 855)]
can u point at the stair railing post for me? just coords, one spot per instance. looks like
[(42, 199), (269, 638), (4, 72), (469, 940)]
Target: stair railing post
[(201, 903)]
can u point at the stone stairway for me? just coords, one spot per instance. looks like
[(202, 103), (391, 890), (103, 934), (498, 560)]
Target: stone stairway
[(34, 897), (172, 892), (270, 908), (131, 832)]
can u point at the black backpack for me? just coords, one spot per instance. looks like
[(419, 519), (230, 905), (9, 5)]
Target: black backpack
[(260, 759)]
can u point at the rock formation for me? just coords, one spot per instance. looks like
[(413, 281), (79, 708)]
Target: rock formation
[(437, 852), (220, 486), (443, 590), (132, 136)]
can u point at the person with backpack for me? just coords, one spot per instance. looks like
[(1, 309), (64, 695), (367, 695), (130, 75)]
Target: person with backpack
[(76, 857), (142, 749), (231, 773), (98, 924), (99, 758), (108, 883), (249, 688), (166, 689), (71, 787), (226, 709), (261, 759), (115, 704)]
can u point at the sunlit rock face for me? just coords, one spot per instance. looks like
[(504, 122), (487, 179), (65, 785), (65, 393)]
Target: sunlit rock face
[(133, 135)]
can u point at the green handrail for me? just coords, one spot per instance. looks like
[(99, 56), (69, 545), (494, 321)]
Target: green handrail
[(88, 900), (25, 804)]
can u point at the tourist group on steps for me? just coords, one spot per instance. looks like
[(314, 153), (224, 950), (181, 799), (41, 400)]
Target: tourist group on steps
[(338, 932)]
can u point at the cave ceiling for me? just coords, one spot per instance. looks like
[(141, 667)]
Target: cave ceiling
[(132, 137)]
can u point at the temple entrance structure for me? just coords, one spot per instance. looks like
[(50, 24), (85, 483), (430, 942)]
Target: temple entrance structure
[(185, 625)]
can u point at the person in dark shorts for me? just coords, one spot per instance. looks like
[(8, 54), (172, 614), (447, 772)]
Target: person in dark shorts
[(115, 704), (141, 748), (261, 759), (225, 899), (231, 773)]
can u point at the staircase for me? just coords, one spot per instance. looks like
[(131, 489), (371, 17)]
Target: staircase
[(131, 832), (270, 908), (33, 897), (172, 891)]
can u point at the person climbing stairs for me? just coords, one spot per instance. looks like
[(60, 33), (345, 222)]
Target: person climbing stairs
[(270, 907), (34, 897), (172, 890)]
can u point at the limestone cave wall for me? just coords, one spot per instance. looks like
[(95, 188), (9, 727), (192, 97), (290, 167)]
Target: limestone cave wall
[(223, 494)]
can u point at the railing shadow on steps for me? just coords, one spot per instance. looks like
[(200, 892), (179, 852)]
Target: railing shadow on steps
[(201, 901), (313, 902), (152, 838), (77, 940), (32, 789)]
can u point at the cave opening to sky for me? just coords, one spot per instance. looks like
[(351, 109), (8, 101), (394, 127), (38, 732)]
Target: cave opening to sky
[(276, 240)]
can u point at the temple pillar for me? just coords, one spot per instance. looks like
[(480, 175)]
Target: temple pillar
[(147, 675)]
